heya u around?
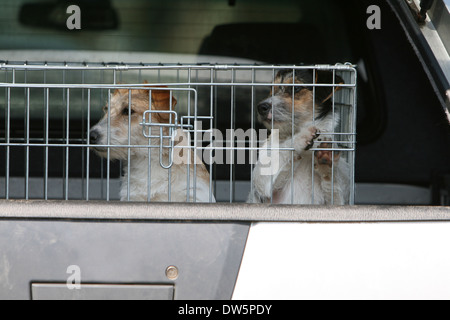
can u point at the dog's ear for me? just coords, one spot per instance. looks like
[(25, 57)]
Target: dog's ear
[(323, 94), (161, 101), (119, 91)]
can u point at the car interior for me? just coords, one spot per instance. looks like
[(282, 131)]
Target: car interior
[(403, 136)]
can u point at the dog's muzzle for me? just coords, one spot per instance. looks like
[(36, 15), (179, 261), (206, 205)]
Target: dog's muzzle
[(94, 137)]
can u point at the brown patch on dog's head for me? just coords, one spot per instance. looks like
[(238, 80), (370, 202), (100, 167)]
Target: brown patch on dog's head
[(294, 97), (161, 100), (122, 106)]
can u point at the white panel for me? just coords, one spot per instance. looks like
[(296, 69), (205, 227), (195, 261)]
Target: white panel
[(346, 261)]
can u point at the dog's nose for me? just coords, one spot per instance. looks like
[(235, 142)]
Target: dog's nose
[(264, 108), (94, 137)]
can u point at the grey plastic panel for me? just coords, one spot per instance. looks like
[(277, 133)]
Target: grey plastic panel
[(207, 255), (54, 291)]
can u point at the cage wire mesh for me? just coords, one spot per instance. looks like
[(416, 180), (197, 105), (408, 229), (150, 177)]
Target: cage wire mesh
[(208, 114)]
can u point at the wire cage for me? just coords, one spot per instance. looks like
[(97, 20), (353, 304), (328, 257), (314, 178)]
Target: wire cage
[(195, 133)]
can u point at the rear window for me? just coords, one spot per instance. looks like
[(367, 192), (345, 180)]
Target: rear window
[(284, 31)]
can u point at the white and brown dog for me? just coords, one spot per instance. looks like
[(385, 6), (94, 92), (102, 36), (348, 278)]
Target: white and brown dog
[(121, 126), (299, 117)]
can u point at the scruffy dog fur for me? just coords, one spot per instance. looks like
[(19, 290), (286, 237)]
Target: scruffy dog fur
[(123, 114), (300, 124)]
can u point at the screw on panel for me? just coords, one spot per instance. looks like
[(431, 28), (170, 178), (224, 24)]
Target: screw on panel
[(172, 273)]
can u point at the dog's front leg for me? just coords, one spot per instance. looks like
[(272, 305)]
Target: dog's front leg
[(304, 140), (274, 167), (327, 166)]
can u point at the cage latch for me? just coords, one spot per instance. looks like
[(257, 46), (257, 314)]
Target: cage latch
[(164, 132)]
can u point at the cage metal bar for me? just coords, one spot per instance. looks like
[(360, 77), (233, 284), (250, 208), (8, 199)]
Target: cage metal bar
[(108, 156), (353, 102), (149, 173), (126, 146), (102, 169), (167, 84), (232, 109), (332, 152), (47, 125), (195, 153), (271, 143), (8, 148), (188, 174), (292, 145), (314, 123), (252, 126), (211, 125), (88, 158), (83, 162), (27, 161), (148, 66), (66, 178), (129, 149), (169, 171)]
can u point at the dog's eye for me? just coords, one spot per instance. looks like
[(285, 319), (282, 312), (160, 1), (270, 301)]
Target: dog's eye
[(126, 111), (280, 89), (289, 89), (298, 89)]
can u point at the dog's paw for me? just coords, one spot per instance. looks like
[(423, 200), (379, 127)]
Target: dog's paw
[(305, 139), (325, 157)]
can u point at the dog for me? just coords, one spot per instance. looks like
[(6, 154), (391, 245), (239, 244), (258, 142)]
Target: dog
[(122, 126), (299, 117)]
